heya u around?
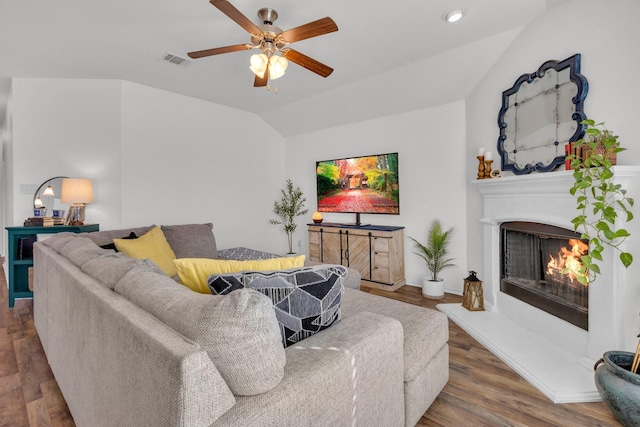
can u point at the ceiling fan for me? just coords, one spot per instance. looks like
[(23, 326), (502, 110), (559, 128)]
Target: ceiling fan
[(272, 41)]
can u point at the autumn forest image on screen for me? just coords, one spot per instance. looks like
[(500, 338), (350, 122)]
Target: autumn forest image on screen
[(361, 185)]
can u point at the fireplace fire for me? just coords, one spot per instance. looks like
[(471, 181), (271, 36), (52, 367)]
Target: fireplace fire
[(538, 266)]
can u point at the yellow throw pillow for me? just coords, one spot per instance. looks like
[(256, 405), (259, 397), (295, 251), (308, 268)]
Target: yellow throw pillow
[(194, 272), (152, 245)]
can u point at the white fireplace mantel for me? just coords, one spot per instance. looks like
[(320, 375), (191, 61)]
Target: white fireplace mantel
[(545, 198)]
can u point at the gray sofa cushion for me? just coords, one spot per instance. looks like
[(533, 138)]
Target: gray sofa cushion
[(80, 250), (58, 241), (306, 300), (191, 240), (239, 331), (106, 237), (110, 268), (425, 330)]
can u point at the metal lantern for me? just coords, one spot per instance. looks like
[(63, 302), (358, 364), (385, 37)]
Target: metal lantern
[(472, 298)]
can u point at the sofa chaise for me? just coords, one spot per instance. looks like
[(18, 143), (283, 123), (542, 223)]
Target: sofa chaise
[(129, 345)]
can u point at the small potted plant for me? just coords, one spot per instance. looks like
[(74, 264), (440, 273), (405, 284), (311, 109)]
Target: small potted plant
[(288, 207), (436, 256)]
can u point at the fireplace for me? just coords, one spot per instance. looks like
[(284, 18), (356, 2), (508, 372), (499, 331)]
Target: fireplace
[(538, 263), (550, 352)]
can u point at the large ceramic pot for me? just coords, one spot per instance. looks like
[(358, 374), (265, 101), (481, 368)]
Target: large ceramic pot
[(433, 289), (619, 387)]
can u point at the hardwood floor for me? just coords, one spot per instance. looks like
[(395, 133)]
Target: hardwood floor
[(482, 391)]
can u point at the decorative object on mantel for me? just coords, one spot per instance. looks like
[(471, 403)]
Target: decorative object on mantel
[(480, 158), (77, 192), (485, 158), (472, 297), (496, 173), (435, 255), (290, 205), (598, 199), (488, 159), (540, 114)]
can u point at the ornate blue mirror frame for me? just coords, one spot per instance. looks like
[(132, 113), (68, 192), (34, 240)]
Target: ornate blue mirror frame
[(541, 116)]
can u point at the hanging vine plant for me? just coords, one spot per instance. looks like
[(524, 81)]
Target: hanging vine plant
[(599, 199)]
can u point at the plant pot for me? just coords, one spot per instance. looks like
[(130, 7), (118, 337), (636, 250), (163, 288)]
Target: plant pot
[(433, 289), (618, 387)]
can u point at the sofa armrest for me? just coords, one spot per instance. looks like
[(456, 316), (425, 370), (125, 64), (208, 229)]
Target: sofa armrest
[(350, 374), (98, 344)]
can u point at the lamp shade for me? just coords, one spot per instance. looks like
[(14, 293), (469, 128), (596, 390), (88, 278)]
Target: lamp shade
[(48, 191), (258, 64), (277, 66), (76, 190)]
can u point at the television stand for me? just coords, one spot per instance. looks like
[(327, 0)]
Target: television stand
[(375, 251), (357, 223)]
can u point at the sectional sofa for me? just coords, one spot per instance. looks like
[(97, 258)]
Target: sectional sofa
[(129, 345)]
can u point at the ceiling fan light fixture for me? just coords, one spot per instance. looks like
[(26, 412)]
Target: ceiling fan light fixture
[(258, 64), (453, 16), (277, 66)]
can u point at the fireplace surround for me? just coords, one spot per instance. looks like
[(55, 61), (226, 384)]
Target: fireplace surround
[(554, 355)]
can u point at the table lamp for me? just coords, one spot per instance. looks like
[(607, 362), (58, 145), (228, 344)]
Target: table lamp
[(77, 192)]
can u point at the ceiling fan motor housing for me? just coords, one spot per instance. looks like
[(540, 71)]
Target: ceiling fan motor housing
[(268, 41)]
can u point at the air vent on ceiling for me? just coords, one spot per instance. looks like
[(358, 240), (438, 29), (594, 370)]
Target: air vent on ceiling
[(175, 59)]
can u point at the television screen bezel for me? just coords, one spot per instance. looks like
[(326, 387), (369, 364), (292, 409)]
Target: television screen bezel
[(358, 157)]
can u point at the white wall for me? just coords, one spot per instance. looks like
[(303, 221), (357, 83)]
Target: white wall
[(6, 153), (64, 127), (430, 145), (187, 160), (608, 42), (154, 157)]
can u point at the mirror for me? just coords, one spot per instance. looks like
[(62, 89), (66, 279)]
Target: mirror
[(42, 200), (540, 116)]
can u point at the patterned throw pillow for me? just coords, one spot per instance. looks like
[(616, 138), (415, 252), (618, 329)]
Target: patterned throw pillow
[(306, 300)]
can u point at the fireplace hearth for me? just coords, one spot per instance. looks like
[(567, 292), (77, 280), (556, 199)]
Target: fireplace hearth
[(537, 267)]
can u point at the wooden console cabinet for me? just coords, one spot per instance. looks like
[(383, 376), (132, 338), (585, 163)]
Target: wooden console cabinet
[(376, 251)]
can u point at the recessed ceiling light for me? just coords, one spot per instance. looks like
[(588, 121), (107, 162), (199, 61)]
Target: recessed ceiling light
[(453, 16)]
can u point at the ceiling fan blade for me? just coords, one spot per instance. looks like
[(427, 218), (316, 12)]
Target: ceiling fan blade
[(218, 50), (262, 81), (228, 9), (312, 29), (306, 62)]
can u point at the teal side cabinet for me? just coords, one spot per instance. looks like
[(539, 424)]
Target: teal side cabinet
[(20, 259)]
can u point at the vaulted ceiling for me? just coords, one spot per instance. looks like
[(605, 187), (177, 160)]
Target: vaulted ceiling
[(388, 57)]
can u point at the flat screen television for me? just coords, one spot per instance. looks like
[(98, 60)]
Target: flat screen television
[(365, 184)]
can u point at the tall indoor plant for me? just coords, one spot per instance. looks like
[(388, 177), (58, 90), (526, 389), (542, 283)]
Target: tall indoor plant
[(288, 207), (436, 256)]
